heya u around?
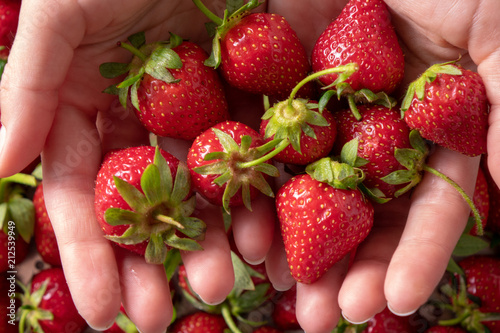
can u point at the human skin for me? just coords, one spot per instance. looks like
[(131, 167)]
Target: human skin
[(51, 103)]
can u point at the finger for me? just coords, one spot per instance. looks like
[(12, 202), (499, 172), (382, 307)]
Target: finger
[(70, 163), (29, 85), (362, 293), (145, 292), (253, 231), (317, 306), (436, 219), (276, 264), (210, 271)]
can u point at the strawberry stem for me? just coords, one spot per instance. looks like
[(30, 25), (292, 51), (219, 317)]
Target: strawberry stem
[(348, 70), (226, 313), (208, 13), (279, 148), (133, 50), (475, 211), (353, 107), (169, 220)]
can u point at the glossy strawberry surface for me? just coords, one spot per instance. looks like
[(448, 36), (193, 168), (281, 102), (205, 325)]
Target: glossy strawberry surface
[(320, 224), (199, 322)]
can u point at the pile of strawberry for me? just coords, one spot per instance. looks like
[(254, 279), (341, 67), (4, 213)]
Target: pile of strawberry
[(343, 157)]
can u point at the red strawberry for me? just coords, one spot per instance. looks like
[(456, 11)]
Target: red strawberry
[(224, 164), (199, 322), (144, 200), (447, 104), (445, 329), (45, 238), (122, 324), (482, 279), (363, 35), (322, 222), (493, 221), (379, 133), (388, 322), (9, 17), (481, 199), (47, 305), (8, 303), (257, 52), (173, 93), (284, 315)]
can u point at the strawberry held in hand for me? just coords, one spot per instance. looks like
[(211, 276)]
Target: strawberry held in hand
[(323, 216), (47, 305), (226, 166), (173, 93), (144, 202), (362, 34), (257, 52), (447, 104)]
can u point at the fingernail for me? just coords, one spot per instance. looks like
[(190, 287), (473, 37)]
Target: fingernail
[(100, 329), (355, 322), (255, 262), (401, 314), (213, 302)]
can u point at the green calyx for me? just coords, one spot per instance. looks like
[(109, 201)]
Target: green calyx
[(17, 212), (29, 313), (336, 174), (414, 160), (159, 212), (218, 27), (154, 59), (288, 121), (240, 167), (417, 87)]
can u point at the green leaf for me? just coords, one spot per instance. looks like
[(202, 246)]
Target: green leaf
[(242, 279), (4, 213), (216, 168), (418, 143), (468, 245), (194, 228), (131, 236), (151, 185), (185, 244), (453, 267), (252, 299), (233, 5), (137, 40), (226, 140), (349, 154), (111, 70), (132, 196), (117, 216), (130, 80), (156, 251), (166, 182), (125, 324), (172, 262), (174, 41), (22, 213), (215, 58), (325, 99), (267, 169), (161, 59)]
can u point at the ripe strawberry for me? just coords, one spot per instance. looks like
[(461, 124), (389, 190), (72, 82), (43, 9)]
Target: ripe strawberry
[(379, 133), (9, 17), (363, 35), (47, 305), (199, 322), (144, 202), (447, 104), (173, 93), (283, 314), (493, 222), (267, 329), (482, 279), (225, 166), (388, 322), (321, 222), (45, 238), (257, 52), (445, 329)]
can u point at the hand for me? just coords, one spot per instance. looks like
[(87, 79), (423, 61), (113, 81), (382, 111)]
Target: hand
[(52, 103), (407, 251)]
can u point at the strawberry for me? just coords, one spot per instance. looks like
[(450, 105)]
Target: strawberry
[(283, 314), (481, 199), (45, 238), (445, 329), (8, 303), (9, 17), (13, 248), (47, 305), (267, 329), (199, 322), (447, 104), (257, 52), (379, 133), (323, 216), (387, 322), (173, 93), (144, 202), (225, 164), (363, 35), (122, 324)]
